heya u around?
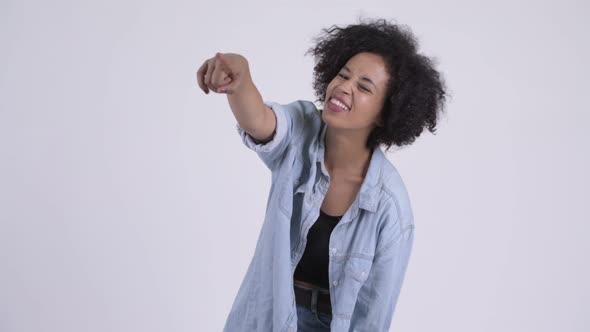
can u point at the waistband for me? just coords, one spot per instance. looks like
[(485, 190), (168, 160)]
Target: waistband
[(317, 299)]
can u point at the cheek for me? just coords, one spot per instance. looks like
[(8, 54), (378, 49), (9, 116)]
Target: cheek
[(363, 101), (329, 88), (367, 105)]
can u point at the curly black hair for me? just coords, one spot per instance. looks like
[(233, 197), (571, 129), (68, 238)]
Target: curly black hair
[(416, 91)]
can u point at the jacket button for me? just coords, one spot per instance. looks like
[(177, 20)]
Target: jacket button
[(334, 251), (335, 282)]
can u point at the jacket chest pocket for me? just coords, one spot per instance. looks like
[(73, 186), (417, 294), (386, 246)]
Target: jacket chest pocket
[(300, 174), (354, 273), (358, 269), (292, 193)]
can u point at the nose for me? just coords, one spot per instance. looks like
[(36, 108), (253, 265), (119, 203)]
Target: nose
[(345, 87)]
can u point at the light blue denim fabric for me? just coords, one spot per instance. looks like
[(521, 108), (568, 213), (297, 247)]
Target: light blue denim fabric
[(369, 248), (309, 321)]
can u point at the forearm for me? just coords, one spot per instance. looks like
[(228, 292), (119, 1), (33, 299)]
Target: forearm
[(247, 105)]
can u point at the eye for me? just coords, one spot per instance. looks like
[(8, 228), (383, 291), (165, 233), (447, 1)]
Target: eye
[(362, 87), (342, 76)]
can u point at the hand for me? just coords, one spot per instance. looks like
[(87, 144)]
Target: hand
[(223, 73)]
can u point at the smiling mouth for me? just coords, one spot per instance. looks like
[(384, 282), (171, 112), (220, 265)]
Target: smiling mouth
[(339, 104)]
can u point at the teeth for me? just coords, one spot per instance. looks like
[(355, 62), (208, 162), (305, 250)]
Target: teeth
[(339, 104)]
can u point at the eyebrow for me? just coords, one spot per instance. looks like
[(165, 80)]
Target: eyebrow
[(362, 78)]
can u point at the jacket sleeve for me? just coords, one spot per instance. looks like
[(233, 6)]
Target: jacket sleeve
[(379, 293), (287, 126)]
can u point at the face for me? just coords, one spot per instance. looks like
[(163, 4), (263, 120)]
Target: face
[(361, 87)]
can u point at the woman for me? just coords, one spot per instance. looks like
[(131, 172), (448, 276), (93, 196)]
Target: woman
[(338, 229)]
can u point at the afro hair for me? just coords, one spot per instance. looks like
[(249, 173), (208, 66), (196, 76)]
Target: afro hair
[(416, 91)]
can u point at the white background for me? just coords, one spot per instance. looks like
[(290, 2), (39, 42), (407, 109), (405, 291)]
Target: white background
[(129, 203)]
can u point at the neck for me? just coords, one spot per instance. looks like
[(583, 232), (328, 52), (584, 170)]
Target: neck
[(346, 153)]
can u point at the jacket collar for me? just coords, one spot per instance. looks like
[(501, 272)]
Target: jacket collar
[(368, 193)]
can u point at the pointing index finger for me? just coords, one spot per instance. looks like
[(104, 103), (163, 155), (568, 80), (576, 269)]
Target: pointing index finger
[(221, 58)]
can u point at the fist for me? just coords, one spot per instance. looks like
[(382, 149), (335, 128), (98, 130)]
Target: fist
[(223, 73)]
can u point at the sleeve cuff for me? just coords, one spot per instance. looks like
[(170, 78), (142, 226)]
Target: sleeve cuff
[(278, 135)]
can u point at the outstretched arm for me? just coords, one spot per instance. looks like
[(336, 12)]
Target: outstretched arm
[(230, 73)]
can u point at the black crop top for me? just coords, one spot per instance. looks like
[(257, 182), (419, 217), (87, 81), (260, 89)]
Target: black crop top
[(313, 266)]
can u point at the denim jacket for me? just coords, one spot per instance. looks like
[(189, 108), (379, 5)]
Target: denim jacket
[(369, 247)]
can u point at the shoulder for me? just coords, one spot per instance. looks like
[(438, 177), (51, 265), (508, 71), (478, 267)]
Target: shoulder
[(299, 113), (298, 108)]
